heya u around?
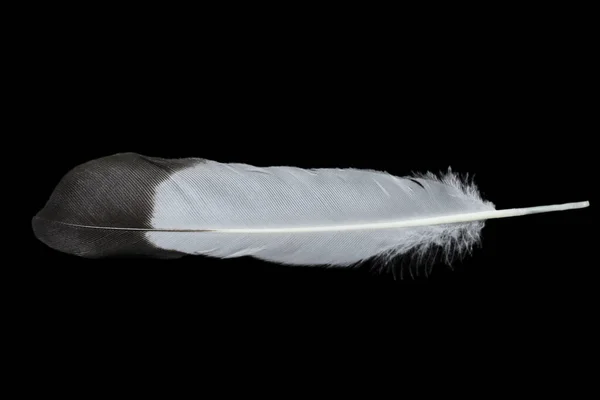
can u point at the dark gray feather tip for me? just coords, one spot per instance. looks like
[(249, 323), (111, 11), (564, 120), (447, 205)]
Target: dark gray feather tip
[(95, 197)]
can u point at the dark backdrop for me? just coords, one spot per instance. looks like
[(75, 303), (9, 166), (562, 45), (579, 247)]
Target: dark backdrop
[(512, 101)]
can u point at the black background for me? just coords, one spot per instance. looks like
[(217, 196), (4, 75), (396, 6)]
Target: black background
[(512, 101), (514, 116)]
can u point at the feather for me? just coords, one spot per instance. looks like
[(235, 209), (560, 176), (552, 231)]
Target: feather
[(132, 205)]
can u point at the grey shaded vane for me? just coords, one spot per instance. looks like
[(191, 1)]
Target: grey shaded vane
[(115, 191)]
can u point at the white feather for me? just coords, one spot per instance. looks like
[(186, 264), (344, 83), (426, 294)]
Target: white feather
[(129, 204)]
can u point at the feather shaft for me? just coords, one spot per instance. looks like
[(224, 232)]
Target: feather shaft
[(450, 219)]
